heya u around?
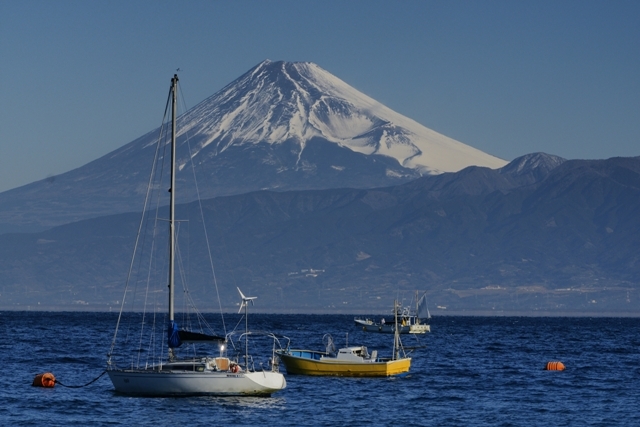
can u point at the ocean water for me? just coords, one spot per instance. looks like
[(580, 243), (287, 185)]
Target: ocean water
[(474, 371)]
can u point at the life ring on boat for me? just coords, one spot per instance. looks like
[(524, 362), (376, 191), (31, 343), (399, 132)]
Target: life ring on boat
[(234, 368)]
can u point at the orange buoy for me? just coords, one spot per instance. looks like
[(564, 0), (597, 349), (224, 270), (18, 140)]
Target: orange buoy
[(44, 380), (554, 366)]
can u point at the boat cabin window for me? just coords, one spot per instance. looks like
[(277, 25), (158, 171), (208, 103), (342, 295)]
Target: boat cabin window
[(362, 352), (184, 367), (359, 351)]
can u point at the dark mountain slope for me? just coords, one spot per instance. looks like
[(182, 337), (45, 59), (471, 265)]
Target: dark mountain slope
[(476, 244)]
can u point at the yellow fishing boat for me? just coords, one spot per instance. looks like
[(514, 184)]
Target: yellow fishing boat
[(354, 361), (348, 362)]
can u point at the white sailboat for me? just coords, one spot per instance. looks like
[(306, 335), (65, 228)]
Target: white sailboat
[(194, 375)]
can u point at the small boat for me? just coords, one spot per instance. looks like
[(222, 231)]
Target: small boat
[(411, 321), (160, 368), (350, 361)]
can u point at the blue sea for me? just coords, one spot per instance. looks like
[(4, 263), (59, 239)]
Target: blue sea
[(472, 371)]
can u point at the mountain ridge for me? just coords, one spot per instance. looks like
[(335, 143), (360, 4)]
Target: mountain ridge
[(280, 126), (567, 243)]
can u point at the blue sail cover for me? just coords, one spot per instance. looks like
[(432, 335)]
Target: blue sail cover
[(174, 335)]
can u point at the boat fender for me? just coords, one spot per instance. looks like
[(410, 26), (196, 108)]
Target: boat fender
[(46, 380), (554, 366)]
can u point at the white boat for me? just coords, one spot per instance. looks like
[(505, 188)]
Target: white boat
[(176, 375), (412, 321)]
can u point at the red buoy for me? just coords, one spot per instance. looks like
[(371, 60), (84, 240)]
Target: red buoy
[(554, 366), (44, 380)]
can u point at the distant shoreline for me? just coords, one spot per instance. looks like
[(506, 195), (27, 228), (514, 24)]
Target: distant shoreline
[(327, 312)]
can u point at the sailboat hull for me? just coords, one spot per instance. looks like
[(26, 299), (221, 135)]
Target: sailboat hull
[(172, 383)]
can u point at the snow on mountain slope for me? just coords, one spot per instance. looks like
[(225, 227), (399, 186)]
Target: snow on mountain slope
[(280, 126), (542, 161), (280, 101), (531, 167)]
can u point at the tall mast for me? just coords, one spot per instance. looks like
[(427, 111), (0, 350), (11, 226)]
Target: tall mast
[(172, 193)]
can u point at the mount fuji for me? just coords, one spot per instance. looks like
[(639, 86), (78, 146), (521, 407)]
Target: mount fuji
[(280, 101), (280, 126)]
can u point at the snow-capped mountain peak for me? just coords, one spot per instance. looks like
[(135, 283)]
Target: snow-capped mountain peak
[(296, 101), (534, 161)]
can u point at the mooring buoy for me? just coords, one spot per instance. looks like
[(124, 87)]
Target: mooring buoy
[(554, 366), (44, 380)]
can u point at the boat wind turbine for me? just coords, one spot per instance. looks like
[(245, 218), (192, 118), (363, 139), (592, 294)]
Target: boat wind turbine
[(245, 304), (245, 301)]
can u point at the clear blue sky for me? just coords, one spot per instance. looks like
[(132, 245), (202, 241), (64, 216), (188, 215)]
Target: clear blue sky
[(82, 78)]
